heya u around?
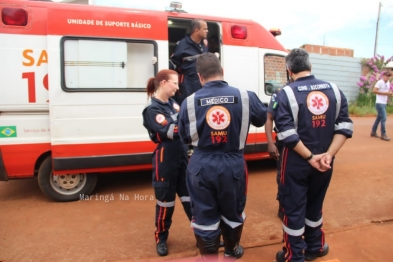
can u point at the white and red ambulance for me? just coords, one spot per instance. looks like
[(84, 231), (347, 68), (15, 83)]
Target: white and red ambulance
[(72, 86)]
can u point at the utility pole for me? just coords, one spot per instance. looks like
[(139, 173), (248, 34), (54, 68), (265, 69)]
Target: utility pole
[(376, 34)]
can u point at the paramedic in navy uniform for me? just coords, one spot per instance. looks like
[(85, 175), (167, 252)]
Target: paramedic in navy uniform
[(183, 59), (274, 149), (169, 158), (313, 123), (216, 120)]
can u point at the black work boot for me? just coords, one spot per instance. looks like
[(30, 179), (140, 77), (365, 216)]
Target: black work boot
[(208, 247), (310, 256), (280, 256), (162, 249), (237, 252), (221, 244), (231, 240)]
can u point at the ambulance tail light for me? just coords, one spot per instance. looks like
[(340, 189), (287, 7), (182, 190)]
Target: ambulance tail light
[(239, 32), (14, 16), (275, 32)]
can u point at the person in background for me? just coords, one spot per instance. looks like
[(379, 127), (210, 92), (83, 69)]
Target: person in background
[(216, 120), (169, 160), (382, 93), (312, 119), (274, 149)]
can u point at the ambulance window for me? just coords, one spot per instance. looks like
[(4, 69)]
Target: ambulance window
[(107, 65), (275, 73)]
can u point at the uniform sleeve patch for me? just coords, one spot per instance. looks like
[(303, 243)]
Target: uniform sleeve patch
[(176, 107), (160, 118), (275, 105)]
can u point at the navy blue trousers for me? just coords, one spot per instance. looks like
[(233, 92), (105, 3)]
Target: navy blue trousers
[(217, 183), (169, 178), (302, 192)]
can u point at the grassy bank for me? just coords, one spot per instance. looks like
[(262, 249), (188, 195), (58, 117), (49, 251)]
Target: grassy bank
[(356, 110), (365, 106)]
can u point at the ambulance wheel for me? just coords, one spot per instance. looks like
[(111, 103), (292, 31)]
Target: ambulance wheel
[(62, 188)]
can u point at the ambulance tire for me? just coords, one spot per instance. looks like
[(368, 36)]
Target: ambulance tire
[(64, 188)]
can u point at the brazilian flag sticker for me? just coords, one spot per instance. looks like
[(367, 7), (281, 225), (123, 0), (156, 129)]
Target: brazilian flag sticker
[(7, 131)]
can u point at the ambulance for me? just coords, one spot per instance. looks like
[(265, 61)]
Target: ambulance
[(72, 86)]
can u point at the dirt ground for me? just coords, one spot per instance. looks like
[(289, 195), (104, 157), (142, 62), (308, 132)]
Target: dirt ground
[(117, 223)]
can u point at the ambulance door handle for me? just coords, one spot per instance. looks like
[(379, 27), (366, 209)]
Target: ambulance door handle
[(154, 60), (123, 64)]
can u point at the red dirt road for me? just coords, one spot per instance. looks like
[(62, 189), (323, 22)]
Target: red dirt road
[(117, 224)]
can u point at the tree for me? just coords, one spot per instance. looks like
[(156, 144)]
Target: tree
[(372, 69)]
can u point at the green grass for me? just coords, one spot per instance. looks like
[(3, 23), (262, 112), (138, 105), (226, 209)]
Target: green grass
[(364, 110), (365, 100), (365, 105), (361, 110)]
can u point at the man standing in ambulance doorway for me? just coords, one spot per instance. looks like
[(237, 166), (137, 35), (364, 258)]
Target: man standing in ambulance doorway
[(183, 59), (312, 119)]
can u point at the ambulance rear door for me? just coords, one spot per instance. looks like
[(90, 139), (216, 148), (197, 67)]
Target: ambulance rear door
[(100, 61)]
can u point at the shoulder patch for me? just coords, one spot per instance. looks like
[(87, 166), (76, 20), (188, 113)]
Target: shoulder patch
[(160, 118), (176, 107)]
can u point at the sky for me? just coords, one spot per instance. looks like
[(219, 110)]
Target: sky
[(336, 23)]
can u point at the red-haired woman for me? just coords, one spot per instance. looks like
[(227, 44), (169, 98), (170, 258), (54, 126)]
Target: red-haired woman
[(170, 157)]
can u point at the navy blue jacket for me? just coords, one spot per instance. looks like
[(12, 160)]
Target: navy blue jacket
[(186, 48), (218, 117), (183, 61), (272, 104), (312, 111), (160, 120)]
